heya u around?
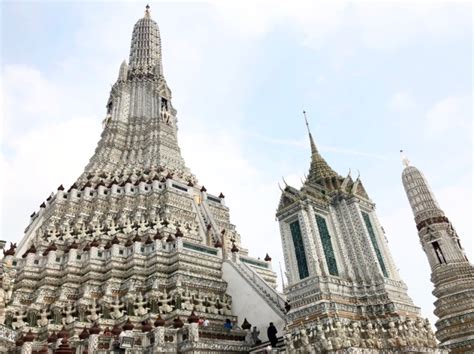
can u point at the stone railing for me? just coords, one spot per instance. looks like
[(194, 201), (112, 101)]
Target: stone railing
[(206, 215), (200, 215), (271, 296), (222, 333)]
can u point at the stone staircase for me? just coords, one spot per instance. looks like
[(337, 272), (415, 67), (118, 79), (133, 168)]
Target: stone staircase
[(271, 296), (266, 348), (205, 219)]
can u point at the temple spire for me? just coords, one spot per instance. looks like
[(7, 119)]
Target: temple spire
[(451, 273), (147, 11), (314, 150), (145, 49), (319, 169), (405, 160)]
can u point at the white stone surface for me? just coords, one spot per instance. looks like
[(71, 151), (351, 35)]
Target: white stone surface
[(248, 302)]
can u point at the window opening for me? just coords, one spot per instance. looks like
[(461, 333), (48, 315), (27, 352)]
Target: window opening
[(299, 249), (375, 245), (327, 245)]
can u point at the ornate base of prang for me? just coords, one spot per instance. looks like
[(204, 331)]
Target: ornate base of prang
[(391, 351), (390, 335), (191, 338)]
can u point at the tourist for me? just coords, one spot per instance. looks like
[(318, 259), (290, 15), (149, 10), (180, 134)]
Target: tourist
[(228, 324), (255, 333), (272, 334)]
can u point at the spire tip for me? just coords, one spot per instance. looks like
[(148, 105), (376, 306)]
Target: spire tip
[(313, 145), (147, 11), (405, 160), (306, 121)]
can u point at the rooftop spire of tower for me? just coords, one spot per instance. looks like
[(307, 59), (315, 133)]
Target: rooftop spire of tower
[(142, 99), (147, 11), (314, 150), (421, 197), (319, 169), (405, 160), (451, 272), (145, 49)]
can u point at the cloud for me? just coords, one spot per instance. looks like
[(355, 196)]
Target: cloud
[(353, 152), (388, 26), (382, 26), (450, 113), (26, 92), (401, 101), (42, 159), (456, 201), (304, 143), (294, 180), (218, 160)]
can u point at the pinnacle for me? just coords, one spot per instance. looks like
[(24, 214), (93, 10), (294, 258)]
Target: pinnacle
[(147, 11), (319, 169)]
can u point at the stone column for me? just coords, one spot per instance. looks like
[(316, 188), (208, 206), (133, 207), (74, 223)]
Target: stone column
[(26, 348), (193, 331), (93, 343)]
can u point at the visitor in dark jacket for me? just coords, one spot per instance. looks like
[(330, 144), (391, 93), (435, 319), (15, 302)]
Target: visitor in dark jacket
[(272, 334)]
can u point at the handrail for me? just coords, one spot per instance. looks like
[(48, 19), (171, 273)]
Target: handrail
[(207, 214), (253, 279), (200, 213), (263, 345), (277, 297)]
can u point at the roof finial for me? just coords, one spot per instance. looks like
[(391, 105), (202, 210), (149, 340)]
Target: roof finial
[(306, 121), (405, 160), (311, 141), (147, 11)]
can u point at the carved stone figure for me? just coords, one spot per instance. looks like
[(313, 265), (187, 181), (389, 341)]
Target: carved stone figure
[(338, 336), (57, 315), (401, 334), (187, 303), (43, 320), (394, 339), (372, 340), (199, 303), (93, 311), (355, 335), (409, 333), (320, 341), (166, 303), (290, 345), (141, 303), (226, 306), (116, 306), (211, 301), (69, 312), (431, 339), (305, 345)]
